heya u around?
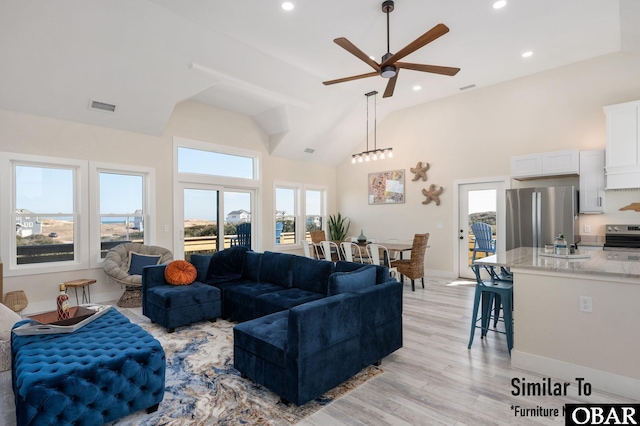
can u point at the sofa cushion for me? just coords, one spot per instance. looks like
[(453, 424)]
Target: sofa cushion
[(264, 337), (169, 296), (277, 268), (311, 274), (245, 294), (201, 263), (251, 267), (180, 272), (139, 261), (350, 282), (226, 265), (382, 272), (280, 300)]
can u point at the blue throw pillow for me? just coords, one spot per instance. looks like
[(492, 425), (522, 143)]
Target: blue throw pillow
[(349, 282), (139, 261)]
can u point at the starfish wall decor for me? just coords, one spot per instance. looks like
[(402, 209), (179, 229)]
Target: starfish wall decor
[(633, 206), (432, 194), (419, 171)]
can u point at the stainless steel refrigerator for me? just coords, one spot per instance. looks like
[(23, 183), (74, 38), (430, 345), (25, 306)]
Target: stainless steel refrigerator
[(535, 216)]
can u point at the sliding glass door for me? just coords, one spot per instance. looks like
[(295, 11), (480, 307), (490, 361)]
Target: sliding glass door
[(205, 207)]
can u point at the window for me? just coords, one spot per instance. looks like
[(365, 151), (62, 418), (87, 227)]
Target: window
[(42, 217), (314, 209), (310, 211), (212, 163), (121, 205), (45, 214), (228, 175), (286, 213), (121, 209)]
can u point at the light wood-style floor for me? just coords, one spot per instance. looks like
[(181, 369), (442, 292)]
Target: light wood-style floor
[(434, 379)]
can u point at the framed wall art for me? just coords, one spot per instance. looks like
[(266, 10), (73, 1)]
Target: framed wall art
[(386, 187)]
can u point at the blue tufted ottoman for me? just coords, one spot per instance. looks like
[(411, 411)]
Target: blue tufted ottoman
[(103, 371)]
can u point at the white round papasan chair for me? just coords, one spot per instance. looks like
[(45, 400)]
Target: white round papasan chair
[(116, 266)]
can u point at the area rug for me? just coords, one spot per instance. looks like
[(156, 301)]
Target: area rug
[(203, 388)]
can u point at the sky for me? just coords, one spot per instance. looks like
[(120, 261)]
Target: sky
[(482, 201)]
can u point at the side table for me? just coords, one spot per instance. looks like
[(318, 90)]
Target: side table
[(84, 284)]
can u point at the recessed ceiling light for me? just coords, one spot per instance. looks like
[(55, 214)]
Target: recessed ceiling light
[(527, 54), (287, 5), (500, 4), (416, 88)]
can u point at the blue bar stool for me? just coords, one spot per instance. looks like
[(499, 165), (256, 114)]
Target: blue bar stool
[(488, 292)]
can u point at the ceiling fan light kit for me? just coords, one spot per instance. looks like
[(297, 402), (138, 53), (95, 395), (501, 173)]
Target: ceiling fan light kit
[(375, 153), (390, 66)]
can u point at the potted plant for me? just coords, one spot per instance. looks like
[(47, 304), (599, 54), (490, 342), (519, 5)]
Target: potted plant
[(338, 227)]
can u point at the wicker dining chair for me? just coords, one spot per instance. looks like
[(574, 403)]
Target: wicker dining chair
[(413, 268), (317, 237)]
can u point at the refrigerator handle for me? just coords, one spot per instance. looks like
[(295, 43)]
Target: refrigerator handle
[(534, 219), (539, 242)]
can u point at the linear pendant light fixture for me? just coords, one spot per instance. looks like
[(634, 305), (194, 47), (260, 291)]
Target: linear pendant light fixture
[(375, 153)]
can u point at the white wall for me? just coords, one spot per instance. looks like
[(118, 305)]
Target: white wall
[(28, 134), (474, 134)]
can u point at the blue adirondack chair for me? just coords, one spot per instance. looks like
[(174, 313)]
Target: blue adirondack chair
[(243, 231), (484, 239), (279, 226)]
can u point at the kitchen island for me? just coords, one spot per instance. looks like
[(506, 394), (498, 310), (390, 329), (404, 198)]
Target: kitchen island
[(554, 337)]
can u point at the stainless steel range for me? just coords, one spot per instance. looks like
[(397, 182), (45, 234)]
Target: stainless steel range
[(622, 237)]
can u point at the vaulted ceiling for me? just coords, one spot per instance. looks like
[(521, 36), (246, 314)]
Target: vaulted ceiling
[(251, 56)]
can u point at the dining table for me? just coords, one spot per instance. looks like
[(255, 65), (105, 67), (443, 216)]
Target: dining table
[(392, 247)]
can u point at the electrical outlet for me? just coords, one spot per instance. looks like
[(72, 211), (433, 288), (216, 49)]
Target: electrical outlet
[(166, 228), (439, 225), (586, 304), (587, 229)]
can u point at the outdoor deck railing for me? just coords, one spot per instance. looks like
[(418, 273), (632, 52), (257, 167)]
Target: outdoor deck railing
[(43, 253)]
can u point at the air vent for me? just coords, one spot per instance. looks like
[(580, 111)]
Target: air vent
[(101, 106), (309, 150), (471, 86)]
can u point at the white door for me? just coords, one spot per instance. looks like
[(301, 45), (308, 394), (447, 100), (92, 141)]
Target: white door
[(478, 202)]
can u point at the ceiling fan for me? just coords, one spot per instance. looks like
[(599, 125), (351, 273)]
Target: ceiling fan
[(390, 65)]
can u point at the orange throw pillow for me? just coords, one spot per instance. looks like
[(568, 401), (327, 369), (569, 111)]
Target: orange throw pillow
[(180, 272)]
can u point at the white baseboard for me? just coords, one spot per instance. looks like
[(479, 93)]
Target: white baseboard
[(602, 380), (437, 273)]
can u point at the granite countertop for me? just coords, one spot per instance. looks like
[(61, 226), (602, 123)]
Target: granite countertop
[(620, 264)]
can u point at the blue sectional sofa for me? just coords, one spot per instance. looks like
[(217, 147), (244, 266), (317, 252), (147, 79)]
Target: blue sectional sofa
[(305, 325)]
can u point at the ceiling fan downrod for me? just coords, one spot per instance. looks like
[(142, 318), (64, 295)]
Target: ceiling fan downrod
[(388, 71)]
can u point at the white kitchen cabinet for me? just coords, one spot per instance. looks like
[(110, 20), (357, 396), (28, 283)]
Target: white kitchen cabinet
[(523, 166), (546, 164), (592, 181), (622, 166)]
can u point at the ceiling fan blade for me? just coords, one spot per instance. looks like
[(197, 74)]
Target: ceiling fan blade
[(434, 33), (353, 77), (391, 85), (428, 68), (351, 48)]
